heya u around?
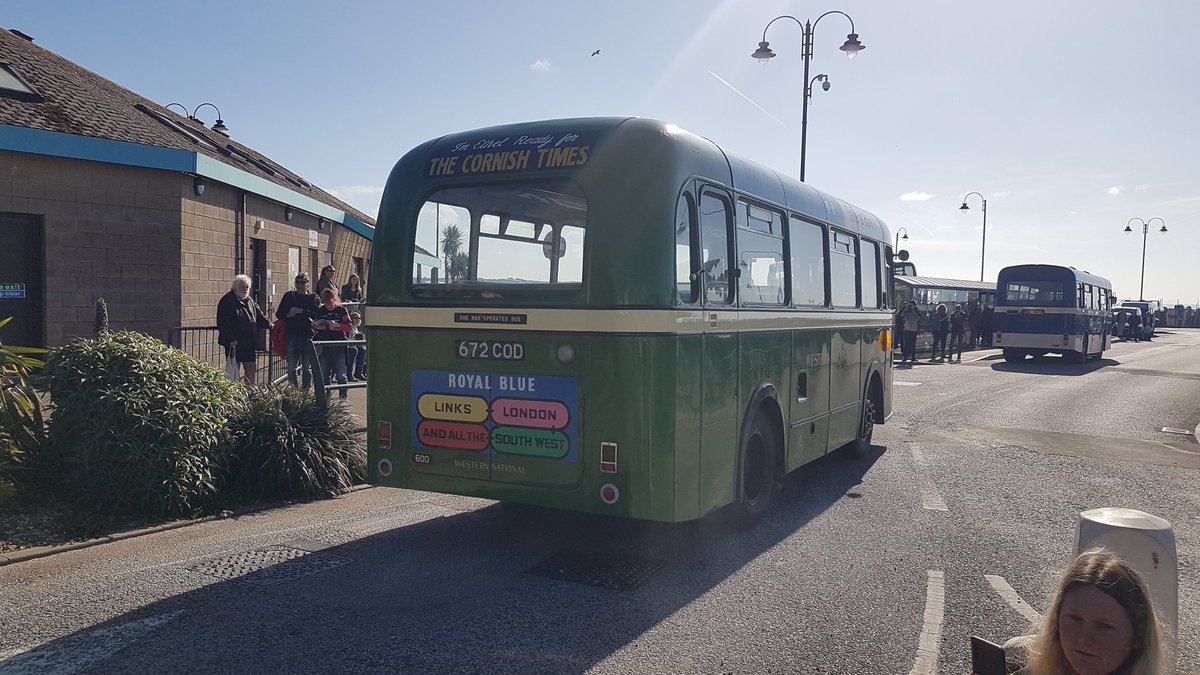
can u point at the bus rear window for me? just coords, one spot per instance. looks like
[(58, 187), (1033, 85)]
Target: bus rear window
[(494, 240), (1041, 293)]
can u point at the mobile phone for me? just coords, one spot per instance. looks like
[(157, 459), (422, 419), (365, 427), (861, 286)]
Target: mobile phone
[(987, 658)]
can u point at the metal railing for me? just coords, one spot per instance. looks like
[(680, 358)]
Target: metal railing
[(200, 342)]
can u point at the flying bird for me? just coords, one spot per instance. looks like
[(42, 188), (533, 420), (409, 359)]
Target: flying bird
[(595, 52)]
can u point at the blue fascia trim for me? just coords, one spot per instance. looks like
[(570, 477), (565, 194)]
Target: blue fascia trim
[(223, 173), (74, 146)]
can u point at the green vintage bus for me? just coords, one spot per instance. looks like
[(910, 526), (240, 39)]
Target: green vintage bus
[(622, 318)]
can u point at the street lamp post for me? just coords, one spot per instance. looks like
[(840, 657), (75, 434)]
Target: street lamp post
[(852, 47), (983, 247), (1145, 231), (897, 246)]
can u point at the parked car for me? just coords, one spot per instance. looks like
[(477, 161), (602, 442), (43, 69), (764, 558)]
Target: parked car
[(1121, 317), (1147, 314)]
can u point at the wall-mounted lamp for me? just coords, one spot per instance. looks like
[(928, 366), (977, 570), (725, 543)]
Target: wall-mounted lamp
[(218, 126), (287, 214), (258, 225), (198, 186), (321, 223)]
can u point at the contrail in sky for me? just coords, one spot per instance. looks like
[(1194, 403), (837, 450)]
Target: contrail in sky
[(722, 81)]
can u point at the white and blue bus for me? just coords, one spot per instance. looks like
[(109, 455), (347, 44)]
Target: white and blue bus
[(1050, 309)]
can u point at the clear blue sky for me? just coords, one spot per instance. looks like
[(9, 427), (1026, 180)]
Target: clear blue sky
[(1070, 117)]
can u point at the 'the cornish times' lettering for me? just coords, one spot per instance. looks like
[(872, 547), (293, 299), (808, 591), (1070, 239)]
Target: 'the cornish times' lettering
[(532, 152)]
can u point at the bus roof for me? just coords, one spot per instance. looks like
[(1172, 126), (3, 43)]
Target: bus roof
[(593, 133), (1053, 272)]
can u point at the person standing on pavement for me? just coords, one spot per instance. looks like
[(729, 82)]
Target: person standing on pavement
[(238, 321), (356, 355), (910, 317), (327, 282), (958, 327), (941, 326), (296, 309), (352, 290), (332, 323), (985, 325), (973, 321)]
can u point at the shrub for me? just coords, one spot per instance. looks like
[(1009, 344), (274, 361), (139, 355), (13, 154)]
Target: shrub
[(286, 446), (22, 427), (138, 427)]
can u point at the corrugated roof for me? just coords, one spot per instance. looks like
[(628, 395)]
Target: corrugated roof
[(73, 100), (936, 282)]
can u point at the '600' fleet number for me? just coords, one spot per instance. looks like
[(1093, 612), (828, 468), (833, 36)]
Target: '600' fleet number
[(491, 350)]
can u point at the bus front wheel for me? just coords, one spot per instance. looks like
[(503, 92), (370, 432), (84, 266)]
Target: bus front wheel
[(758, 474), (1014, 355)]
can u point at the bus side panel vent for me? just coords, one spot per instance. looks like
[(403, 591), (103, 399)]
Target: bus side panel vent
[(607, 570)]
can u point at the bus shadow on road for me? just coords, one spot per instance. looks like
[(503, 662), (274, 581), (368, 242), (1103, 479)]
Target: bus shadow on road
[(455, 593), (1054, 365)]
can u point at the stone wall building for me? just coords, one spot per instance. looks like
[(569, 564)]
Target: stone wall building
[(104, 193)]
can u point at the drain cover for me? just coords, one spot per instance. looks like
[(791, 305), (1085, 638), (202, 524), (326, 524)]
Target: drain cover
[(269, 566), (606, 570)]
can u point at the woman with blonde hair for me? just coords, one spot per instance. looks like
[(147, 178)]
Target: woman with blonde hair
[(1100, 623)]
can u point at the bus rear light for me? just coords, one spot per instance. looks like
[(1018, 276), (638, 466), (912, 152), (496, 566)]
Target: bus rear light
[(609, 494), (885, 340), (608, 458), (999, 336), (385, 467), (383, 435)]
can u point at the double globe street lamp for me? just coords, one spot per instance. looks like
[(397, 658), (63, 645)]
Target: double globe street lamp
[(983, 248), (852, 47), (1145, 231)]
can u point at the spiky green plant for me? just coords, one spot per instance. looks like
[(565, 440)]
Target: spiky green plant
[(22, 426), (287, 446)]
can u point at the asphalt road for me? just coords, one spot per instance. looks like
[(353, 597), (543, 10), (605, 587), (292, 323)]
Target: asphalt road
[(881, 565)]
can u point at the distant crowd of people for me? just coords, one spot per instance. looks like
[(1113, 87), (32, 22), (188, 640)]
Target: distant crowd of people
[(306, 316), (951, 330)]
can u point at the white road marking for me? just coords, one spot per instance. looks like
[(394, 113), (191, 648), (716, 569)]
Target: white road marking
[(926, 661), (898, 383), (81, 652), (931, 499), (1009, 595)]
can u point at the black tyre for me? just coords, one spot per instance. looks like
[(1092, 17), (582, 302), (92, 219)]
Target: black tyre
[(866, 429), (758, 475), (1014, 355)]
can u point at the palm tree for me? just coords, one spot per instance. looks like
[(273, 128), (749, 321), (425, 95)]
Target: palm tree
[(456, 260)]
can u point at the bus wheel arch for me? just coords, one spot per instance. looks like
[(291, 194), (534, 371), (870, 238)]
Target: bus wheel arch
[(760, 457)]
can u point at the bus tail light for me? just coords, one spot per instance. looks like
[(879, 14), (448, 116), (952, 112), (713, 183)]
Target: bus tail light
[(383, 435), (885, 340), (609, 494), (608, 458), (999, 336)]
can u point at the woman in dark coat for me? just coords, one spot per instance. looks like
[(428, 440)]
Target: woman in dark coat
[(238, 321)]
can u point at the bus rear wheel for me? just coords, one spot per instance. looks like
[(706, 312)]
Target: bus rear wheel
[(1013, 355), (866, 429), (758, 476)]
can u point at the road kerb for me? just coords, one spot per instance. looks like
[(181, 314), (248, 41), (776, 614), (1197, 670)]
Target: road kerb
[(24, 554)]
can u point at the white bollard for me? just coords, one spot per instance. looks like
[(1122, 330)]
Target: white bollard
[(1147, 543)]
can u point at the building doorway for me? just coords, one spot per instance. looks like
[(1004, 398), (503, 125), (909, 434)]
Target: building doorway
[(258, 284), (22, 280)]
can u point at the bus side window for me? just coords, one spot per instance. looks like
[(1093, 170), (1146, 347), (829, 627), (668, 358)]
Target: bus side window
[(843, 272), (808, 263), (714, 237), (869, 274), (687, 253)]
